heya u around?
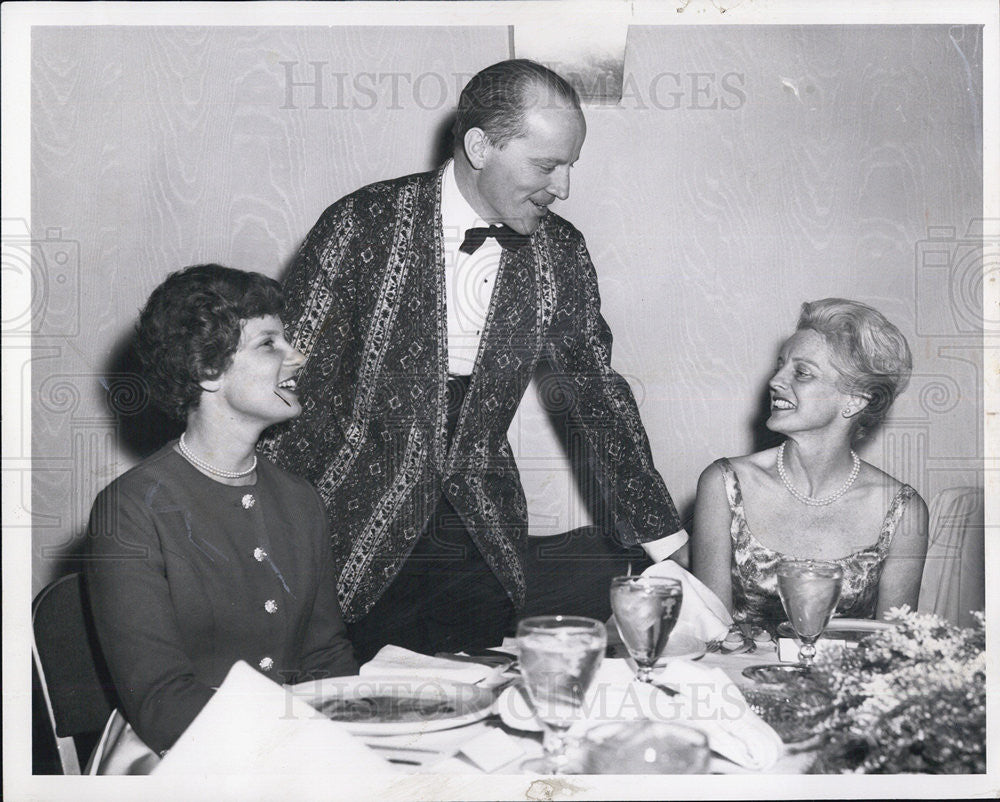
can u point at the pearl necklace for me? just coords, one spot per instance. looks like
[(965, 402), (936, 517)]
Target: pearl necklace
[(211, 468), (816, 502)]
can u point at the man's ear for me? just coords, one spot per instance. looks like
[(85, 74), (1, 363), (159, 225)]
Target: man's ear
[(476, 146)]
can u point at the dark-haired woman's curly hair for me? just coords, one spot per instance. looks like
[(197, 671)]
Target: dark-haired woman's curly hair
[(191, 326)]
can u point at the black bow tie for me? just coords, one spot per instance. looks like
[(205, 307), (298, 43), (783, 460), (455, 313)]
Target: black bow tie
[(505, 235)]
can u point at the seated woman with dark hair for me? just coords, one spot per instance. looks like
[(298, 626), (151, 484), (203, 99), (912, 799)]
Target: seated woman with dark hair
[(205, 554), (812, 496)]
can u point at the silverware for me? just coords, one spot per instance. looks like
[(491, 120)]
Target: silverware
[(394, 748), (486, 657), (747, 644), (501, 686), (410, 755), (746, 630)]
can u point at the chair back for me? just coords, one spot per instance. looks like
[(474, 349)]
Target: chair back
[(954, 577), (75, 683)]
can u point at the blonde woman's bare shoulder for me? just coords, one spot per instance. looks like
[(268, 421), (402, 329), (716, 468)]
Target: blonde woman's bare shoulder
[(759, 461), (871, 476)]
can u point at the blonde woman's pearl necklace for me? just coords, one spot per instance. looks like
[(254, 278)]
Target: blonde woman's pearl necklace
[(816, 502), (211, 468)]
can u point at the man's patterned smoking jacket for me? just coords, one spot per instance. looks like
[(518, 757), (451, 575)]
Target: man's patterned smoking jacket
[(365, 301)]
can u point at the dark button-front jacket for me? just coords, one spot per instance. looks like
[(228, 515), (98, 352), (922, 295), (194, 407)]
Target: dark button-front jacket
[(366, 304), (187, 575)]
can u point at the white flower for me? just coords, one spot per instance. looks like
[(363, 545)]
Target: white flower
[(917, 659)]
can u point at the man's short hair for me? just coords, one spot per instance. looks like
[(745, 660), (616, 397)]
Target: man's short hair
[(498, 98)]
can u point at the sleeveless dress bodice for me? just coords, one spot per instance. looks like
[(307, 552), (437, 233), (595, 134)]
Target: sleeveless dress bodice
[(754, 565)]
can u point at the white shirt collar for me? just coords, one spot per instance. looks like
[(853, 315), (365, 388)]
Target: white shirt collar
[(457, 216)]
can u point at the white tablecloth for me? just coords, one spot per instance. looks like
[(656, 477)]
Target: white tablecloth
[(482, 747)]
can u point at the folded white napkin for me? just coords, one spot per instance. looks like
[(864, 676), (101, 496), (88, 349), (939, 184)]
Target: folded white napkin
[(394, 661), (703, 615), (254, 726), (711, 702), (707, 701)]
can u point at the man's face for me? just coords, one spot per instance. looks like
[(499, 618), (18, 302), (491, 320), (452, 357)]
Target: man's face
[(517, 182)]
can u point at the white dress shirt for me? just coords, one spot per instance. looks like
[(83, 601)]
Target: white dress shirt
[(469, 278), (469, 282)]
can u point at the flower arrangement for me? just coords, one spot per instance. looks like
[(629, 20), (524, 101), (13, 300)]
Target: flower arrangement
[(911, 698)]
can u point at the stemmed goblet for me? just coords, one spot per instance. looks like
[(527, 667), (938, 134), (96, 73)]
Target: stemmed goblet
[(809, 590), (646, 609), (559, 656)]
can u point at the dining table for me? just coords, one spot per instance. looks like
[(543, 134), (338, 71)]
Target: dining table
[(462, 726), (270, 740), (489, 745)]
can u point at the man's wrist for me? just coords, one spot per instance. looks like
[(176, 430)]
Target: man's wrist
[(659, 550)]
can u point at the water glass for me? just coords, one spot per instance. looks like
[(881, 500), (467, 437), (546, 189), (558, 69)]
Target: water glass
[(646, 610), (809, 590), (559, 656)]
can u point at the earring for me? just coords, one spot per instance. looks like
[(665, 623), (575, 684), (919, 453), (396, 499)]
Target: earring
[(847, 412)]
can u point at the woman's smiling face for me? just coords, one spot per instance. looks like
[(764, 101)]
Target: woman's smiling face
[(259, 384), (805, 395)]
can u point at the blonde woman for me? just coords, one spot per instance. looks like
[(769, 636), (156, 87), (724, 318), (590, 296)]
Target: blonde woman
[(812, 496)]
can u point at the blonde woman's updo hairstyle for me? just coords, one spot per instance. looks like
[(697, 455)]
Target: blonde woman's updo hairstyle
[(870, 354)]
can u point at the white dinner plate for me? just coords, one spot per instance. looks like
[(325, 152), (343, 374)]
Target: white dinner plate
[(856, 625), (620, 698), (852, 629), (398, 705)]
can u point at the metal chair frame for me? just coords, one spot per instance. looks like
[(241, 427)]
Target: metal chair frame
[(66, 745)]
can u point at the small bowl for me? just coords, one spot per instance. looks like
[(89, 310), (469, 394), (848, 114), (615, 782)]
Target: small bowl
[(775, 673), (795, 713)]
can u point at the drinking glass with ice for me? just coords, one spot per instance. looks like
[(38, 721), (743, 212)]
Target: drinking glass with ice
[(646, 610), (809, 590)]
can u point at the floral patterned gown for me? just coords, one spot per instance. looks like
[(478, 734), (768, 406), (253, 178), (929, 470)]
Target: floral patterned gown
[(754, 566)]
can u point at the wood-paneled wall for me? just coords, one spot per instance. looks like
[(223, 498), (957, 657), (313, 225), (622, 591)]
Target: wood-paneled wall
[(747, 169)]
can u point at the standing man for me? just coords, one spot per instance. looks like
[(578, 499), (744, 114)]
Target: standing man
[(424, 305)]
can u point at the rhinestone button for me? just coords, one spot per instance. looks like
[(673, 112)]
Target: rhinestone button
[(271, 606), (266, 664), (248, 501), (259, 554)]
